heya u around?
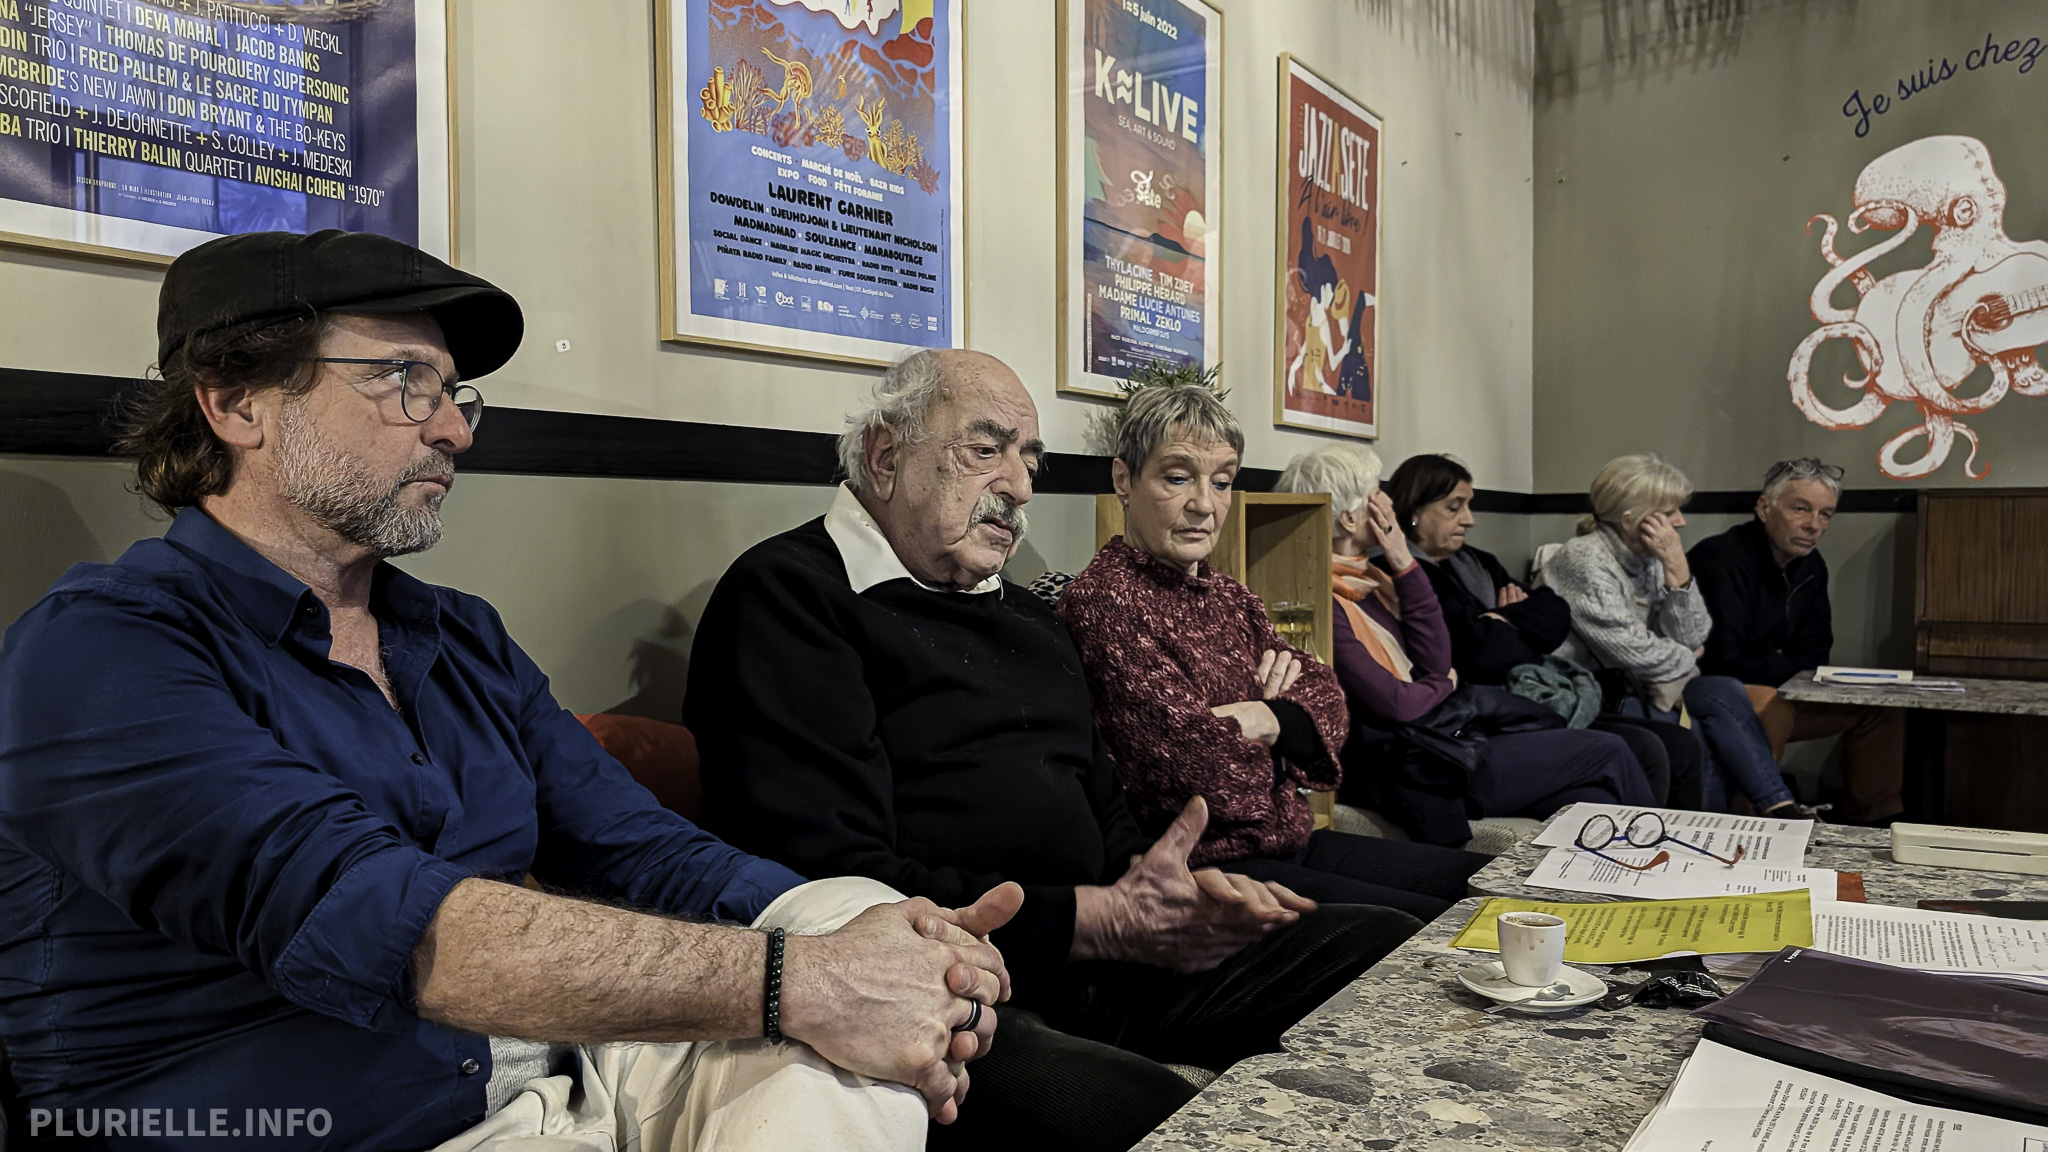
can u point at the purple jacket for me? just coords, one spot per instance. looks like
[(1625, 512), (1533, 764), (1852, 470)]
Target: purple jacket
[(1372, 689)]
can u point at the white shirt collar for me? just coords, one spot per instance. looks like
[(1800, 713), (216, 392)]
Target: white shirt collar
[(868, 555)]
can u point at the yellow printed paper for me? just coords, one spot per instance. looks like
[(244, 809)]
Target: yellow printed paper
[(1646, 929)]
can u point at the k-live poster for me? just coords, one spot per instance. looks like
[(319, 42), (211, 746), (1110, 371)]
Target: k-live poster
[(1329, 257), (814, 207), (1142, 91), (143, 129)]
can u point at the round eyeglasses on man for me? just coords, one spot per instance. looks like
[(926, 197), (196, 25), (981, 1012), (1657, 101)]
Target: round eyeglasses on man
[(420, 388), (1644, 830)]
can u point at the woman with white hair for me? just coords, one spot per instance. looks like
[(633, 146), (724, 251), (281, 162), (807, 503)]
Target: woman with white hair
[(1636, 609), (1197, 695), (1423, 751)]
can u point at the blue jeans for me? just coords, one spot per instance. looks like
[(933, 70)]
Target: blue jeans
[(1736, 746)]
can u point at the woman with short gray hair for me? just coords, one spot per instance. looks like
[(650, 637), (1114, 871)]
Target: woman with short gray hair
[(1393, 658), (1197, 695), (1636, 610)]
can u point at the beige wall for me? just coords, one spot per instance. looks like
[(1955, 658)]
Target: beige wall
[(1677, 165), (599, 578)]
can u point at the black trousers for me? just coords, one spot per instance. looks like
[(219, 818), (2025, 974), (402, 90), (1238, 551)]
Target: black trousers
[(1079, 1063), (1423, 880), (1669, 753), (1534, 774)]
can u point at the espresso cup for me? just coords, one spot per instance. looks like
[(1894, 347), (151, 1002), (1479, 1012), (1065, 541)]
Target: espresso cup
[(1531, 947)]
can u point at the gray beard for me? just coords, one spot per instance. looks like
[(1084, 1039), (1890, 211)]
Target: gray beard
[(335, 491)]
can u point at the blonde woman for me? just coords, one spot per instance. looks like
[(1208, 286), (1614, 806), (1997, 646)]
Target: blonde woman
[(1635, 608)]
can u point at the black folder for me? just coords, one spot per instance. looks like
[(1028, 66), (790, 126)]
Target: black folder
[(1972, 1044)]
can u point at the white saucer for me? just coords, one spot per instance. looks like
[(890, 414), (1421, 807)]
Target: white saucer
[(1490, 980)]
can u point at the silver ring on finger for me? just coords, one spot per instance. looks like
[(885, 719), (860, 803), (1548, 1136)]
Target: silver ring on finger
[(973, 1017)]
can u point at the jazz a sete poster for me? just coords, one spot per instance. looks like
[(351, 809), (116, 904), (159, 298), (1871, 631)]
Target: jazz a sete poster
[(811, 183), (139, 130), (1141, 188), (1330, 160)]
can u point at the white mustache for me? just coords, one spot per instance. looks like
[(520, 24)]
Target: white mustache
[(994, 507)]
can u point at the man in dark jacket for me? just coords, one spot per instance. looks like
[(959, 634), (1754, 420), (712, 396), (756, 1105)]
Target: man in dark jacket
[(867, 689), (1767, 587)]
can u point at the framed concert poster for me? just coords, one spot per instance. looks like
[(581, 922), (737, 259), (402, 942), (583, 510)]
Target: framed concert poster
[(810, 176), (1141, 189), (137, 131), (1329, 247)]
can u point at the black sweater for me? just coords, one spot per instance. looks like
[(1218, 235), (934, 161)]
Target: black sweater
[(940, 743), (1770, 623), (1482, 650)]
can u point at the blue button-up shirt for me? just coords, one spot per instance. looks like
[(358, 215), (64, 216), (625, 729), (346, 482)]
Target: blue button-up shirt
[(218, 848)]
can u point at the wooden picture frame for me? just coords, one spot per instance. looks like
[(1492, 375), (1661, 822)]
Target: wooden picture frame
[(1331, 152), (1140, 238), (842, 228), (111, 159)]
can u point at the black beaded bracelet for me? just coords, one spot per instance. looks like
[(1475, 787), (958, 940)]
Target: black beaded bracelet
[(771, 992)]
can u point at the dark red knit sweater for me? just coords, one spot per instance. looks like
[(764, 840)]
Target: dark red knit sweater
[(1161, 648)]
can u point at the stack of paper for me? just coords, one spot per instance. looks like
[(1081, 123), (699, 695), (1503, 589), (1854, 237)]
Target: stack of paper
[(1935, 941), (1778, 842), (1685, 874), (1882, 678), (1631, 930), (1729, 1099)]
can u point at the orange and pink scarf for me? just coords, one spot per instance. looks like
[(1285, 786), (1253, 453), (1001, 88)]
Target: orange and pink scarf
[(1352, 579)]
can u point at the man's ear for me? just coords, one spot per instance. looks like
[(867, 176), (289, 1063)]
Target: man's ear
[(1120, 478), (233, 414), (1763, 506), (880, 446)]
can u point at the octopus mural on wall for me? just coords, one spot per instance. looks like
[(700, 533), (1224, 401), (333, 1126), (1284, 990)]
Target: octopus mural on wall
[(1921, 334)]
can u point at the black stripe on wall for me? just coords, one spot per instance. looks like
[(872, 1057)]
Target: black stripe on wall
[(66, 414)]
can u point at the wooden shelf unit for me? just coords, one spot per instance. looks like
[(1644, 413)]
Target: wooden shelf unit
[(1276, 543)]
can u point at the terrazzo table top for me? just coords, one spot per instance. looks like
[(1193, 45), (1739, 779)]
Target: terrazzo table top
[(2002, 697), (1405, 1059)]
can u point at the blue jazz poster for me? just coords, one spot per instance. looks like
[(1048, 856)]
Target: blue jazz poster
[(143, 129), (811, 199), (1141, 178)]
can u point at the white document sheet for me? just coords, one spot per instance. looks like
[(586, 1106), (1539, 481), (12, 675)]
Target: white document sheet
[(1777, 842), (1936, 941), (1684, 876), (1726, 1100)]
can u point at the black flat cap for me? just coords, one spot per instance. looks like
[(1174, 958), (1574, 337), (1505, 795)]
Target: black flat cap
[(261, 277)]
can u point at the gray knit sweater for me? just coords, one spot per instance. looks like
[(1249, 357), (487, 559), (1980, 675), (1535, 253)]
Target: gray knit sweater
[(1622, 614)]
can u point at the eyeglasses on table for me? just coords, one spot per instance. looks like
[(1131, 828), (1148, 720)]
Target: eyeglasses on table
[(1644, 830)]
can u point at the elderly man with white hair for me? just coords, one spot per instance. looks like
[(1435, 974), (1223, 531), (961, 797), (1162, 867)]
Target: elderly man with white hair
[(871, 697), (1766, 584)]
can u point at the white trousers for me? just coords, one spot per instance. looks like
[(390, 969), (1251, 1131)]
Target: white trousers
[(730, 1096)]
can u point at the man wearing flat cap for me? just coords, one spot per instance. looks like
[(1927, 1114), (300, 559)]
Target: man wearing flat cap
[(267, 803)]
